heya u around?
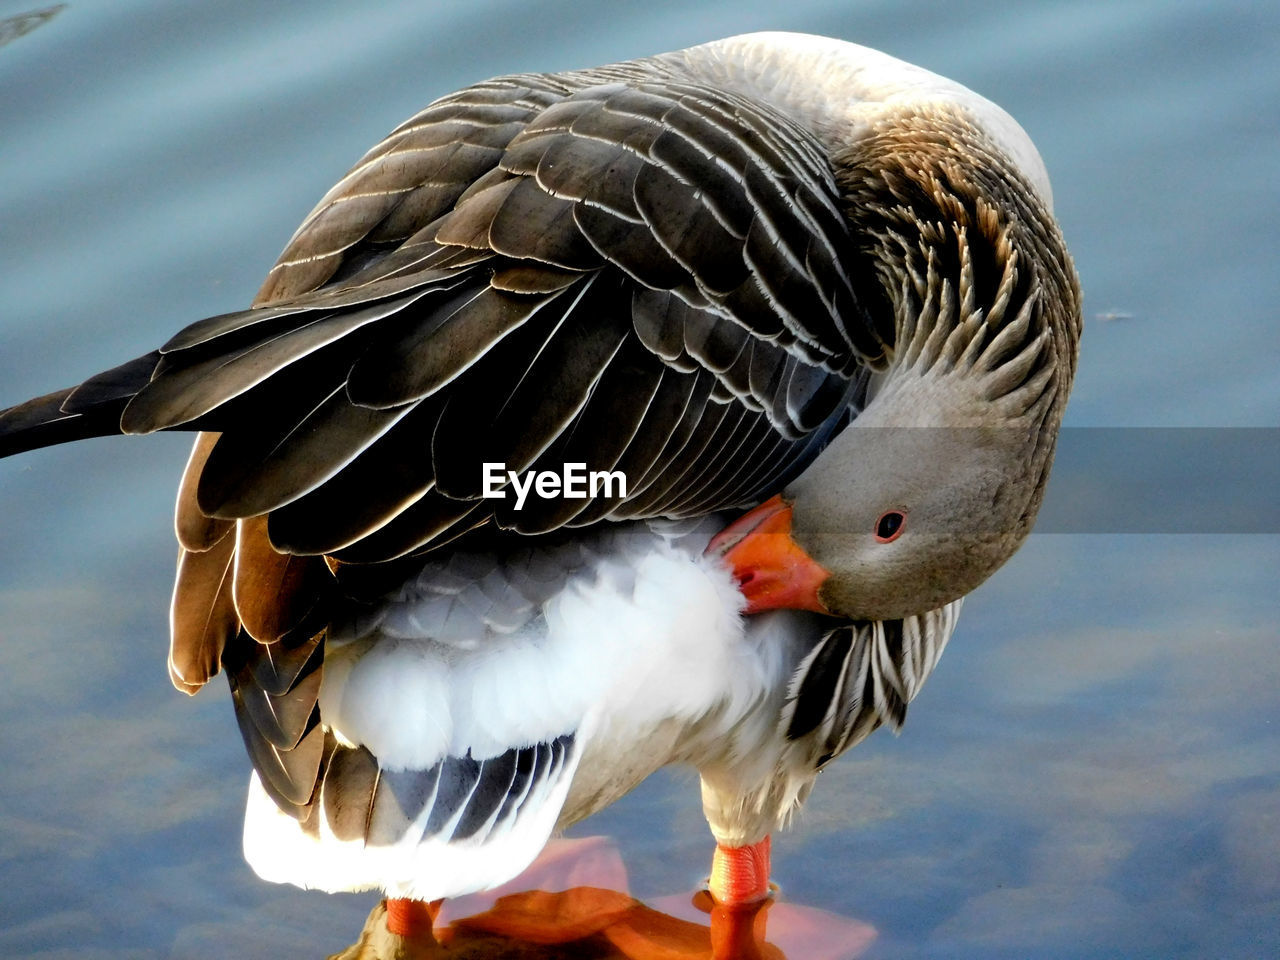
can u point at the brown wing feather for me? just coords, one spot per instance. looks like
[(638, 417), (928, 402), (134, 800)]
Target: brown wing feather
[(197, 530), (408, 180), (203, 616), (274, 592)]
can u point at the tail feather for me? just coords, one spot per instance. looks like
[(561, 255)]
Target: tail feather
[(91, 409)]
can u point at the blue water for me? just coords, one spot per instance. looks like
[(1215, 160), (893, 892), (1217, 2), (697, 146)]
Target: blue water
[(1093, 771)]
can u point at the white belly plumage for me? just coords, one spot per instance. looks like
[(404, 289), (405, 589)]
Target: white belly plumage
[(504, 697)]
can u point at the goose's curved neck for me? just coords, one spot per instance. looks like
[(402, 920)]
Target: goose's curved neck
[(971, 269)]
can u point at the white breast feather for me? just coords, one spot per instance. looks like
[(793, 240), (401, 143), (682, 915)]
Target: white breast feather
[(647, 634), (644, 636)]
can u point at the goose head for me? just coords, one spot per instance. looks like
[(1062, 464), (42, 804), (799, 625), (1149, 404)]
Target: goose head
[(921, 499), (937, 480)]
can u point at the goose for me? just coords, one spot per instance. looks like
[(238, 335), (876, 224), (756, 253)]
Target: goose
[(657, 413)]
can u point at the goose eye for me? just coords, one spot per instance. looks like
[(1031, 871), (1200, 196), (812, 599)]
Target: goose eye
[(889, 526)]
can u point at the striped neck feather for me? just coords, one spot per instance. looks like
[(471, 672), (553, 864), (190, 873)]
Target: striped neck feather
[(971, 266)]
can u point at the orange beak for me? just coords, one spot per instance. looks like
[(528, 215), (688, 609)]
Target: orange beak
[(773, 572)]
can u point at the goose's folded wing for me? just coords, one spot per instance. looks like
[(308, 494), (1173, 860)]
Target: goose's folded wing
[(644, 277)]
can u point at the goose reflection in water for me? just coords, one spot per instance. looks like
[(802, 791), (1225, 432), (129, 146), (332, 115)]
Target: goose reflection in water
[(573, 904)]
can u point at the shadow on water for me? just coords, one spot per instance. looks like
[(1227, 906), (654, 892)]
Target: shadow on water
[(19, 25), (579, 909)]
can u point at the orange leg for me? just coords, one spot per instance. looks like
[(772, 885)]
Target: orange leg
[(412, 918), (740, 875)]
